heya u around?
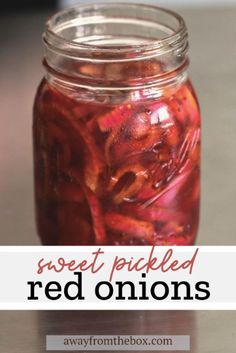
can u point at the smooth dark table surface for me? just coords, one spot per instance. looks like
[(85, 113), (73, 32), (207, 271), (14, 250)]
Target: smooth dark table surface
[(210, 331)]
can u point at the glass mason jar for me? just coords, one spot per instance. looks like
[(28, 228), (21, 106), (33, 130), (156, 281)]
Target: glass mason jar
[(116, 129)]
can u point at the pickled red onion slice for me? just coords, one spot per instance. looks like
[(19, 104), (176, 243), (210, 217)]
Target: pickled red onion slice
[(95, 208), (154, 213), (124, 225), (64, 117), (73, 226), (127, 189), (119, 150), (168, 194), (115, 118), (97, 216), (69, 192)]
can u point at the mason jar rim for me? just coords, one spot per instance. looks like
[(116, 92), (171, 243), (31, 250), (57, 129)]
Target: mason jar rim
[(72, 48)]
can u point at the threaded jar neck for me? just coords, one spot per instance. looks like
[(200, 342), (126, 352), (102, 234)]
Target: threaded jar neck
[(112, 46)]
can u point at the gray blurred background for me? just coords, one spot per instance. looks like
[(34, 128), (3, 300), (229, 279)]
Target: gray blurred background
[(173, 3), (212, 30)]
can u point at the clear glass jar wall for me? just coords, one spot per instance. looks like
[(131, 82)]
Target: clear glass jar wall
[(116, 129)]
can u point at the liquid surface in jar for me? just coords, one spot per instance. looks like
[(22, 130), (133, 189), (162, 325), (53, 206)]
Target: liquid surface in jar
[(125, 174)]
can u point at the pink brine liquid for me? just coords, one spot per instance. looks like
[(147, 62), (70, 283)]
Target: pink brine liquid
[(117, 174)]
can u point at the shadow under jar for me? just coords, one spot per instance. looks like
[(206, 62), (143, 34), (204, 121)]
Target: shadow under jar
[(116, 129)]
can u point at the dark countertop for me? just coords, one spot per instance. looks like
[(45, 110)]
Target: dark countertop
[(210, 331)]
